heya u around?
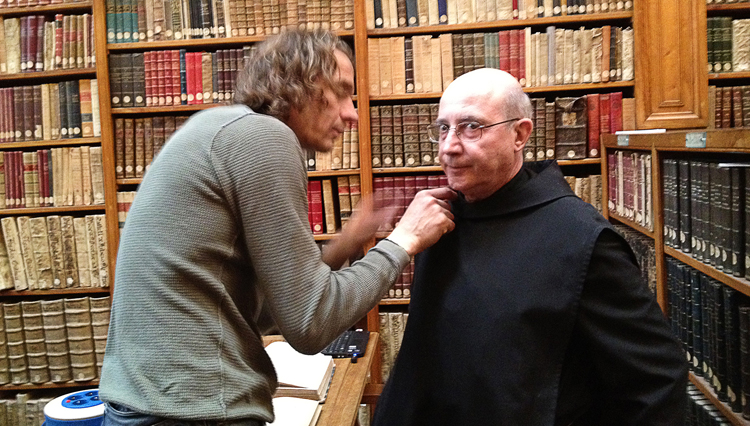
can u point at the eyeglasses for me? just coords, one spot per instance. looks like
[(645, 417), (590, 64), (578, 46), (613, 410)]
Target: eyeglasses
[(468, 131)]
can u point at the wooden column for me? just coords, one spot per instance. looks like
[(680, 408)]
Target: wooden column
[(671, 88)]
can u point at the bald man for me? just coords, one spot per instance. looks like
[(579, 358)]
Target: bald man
[(532, 310)]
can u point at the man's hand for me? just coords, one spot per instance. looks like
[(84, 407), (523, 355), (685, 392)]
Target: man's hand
[(427, 218), (372, 213)]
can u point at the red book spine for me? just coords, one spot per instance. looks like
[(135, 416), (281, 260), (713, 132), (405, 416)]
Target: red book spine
[(160, 78), (45, 171), (24, 38), (20, 185), (604, 118), (198, 63), (190, 77), (420, 183), (389, 196), (514, 54), (443, 181), (8, 172), (592, 101), (515, 9), (3, 117), (176, 87), (316, 206), (410, 189), (522, 57), (58, 40), (309, 206), (399, 196), (39, 49), (615, 112), (503, 50), (433, 181), (611, 181), (148, 64)]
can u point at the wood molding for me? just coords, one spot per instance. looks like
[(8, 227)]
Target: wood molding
[(671, 89)]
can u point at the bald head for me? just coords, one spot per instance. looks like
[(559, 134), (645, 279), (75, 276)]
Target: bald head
[(493, 88)]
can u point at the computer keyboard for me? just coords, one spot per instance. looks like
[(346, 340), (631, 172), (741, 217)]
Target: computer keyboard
[(349, 343)]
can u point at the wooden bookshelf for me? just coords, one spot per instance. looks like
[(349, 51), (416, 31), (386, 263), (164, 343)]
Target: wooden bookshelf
[(66, 385), (738, 283), (630, 223), (164, 109), (590, 87), (84, 6), (52, 210), (735, 418), (73, 291), (401, 301), (591, 18), (220, 42), (52, 143), (49, 75), (330, 173)]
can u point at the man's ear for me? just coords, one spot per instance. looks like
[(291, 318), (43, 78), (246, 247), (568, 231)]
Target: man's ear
[(523, 131)]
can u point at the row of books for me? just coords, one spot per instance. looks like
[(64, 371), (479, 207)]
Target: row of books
[(705, 212), (174, 77), (399, 191), (343, 156), (570, 128), (401, 289), (53, 341), (587, 188), (30, 3), (153, 20), (712, 321), (53, 252), (391, 329), (645, 253), (138, 140), (24, 409), (729, 106), (425, 64), (64, 110), (56, 177), (398, 135), (728, 44), (31, 43), (701, 411), (331, 202), (629, 187), (726, 1), (403, 13)]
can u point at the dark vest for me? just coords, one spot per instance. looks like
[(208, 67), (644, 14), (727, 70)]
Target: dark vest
[(492, 310)]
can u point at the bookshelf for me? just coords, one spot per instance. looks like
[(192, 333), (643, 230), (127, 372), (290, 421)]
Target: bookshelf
[(45, 199), (682, 104), (717, 145)]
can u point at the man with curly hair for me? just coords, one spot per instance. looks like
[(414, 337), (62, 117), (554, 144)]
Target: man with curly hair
[(217, 249)]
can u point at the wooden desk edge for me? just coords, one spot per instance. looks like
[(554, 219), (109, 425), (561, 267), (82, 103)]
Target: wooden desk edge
[(347, 386)]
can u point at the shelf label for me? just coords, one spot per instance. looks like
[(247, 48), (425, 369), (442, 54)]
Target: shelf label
[(695, 140), (623, 140)]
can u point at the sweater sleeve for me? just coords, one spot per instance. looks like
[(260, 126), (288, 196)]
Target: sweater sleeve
[(638, 364), (266, 186)]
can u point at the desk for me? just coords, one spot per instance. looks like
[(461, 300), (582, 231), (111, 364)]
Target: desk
[(347, 386)]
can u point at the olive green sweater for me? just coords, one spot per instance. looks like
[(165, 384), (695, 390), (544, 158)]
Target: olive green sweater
[(217, 248)]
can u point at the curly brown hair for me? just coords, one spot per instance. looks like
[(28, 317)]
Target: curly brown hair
[(289, 70)]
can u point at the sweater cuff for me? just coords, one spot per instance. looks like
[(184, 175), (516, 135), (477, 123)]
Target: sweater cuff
[(395, 252)]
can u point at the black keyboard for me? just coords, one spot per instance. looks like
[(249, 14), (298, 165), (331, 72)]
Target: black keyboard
[(350, 343)]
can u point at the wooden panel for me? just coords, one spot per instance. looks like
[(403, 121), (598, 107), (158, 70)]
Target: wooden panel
[(671, 87)]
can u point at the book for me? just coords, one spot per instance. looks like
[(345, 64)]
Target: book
[(300, 375), (295, 412)]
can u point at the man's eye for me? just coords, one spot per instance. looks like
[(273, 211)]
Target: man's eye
[(443, 128), (472, 125)]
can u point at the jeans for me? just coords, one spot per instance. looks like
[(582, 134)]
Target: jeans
[(120, 415)]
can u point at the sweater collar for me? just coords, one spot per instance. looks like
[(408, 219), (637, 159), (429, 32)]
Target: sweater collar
[(536, 183)]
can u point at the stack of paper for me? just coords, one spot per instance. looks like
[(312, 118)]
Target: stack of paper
[(300, 375)]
